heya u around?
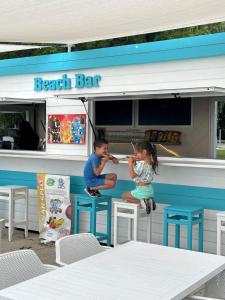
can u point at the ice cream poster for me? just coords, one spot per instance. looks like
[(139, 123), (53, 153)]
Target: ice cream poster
[(54, 206), (67, 129)]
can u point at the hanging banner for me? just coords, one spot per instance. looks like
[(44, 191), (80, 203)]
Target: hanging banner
[(54, 206)]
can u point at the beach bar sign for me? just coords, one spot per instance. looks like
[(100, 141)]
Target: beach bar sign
[(65, 83)]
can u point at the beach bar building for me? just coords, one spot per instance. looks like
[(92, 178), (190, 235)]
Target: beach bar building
[(167, 90)]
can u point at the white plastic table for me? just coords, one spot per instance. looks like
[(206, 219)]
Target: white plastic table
[(131, 271)]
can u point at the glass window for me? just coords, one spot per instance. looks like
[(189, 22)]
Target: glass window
[(22, 126), (114, 113), (165, 112)]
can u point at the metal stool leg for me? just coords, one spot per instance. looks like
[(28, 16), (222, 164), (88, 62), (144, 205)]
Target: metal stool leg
[(76, 217), (136, 213), (129, 229), (189, 233), (218, 236), (115, 226), (177, 236), (93, 219), (11, 216), (165, 229), (149, 228), (26, 212), (200, 233), (109, 213)]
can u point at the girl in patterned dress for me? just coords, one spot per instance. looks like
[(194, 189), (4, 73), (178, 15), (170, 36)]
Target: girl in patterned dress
[(142, 169)]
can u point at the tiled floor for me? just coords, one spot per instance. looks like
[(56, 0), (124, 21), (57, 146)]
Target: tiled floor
[(45, 252)]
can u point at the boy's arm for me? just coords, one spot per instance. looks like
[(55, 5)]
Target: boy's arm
[(100, 168)]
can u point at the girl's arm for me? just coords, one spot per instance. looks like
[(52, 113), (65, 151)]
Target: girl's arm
[(99, 170), (131, 163)]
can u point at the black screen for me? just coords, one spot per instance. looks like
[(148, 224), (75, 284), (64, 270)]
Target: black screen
[(165, 111), (113, 113)]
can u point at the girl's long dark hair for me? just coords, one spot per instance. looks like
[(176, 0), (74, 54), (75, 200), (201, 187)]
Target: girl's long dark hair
[(151, 151)]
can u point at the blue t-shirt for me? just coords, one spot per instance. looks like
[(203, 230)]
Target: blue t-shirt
[(93, 162)]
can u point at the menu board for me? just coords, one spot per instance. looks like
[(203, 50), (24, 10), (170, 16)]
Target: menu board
[(67, 129)]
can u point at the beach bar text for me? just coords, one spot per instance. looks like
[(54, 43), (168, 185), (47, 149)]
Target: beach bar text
[(65, 83)]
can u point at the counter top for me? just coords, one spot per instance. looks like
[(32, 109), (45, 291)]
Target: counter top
[(163, 161)]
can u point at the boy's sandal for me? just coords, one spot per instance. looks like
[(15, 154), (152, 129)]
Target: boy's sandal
[(98, 194), (91, 193)]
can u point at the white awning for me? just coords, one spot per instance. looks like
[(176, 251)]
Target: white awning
[(210, 91), (75, 21), (13, 47), (7, 100)]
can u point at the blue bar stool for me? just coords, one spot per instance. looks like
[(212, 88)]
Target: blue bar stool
[(184, 215), (84, 202)]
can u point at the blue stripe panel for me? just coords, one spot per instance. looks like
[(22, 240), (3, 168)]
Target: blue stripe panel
[(168, 50), (210, 198)]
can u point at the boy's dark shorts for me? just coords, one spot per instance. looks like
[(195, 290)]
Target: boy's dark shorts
[(99, 180)]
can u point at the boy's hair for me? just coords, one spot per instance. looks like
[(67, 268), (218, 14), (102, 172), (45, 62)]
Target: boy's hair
[(99, 142)]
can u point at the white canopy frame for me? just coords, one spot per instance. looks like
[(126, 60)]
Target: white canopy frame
[(11, 101), (151, 94), (15, 47)]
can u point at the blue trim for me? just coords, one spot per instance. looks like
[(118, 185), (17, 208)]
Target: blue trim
[(169, 50), (210, 198)]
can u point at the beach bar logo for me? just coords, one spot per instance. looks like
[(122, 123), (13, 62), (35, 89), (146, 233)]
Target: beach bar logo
[(65, 83)]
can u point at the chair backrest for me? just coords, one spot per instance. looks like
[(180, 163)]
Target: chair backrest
[(18, 266), (75, 247)]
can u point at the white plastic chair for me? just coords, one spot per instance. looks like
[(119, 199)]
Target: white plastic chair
[(213, 290), (21, 265), (75, 247)]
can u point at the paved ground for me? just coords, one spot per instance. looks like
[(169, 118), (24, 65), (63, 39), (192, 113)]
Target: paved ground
[(45, 252)]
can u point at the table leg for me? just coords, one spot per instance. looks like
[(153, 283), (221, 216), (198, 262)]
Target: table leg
[(177, 236)]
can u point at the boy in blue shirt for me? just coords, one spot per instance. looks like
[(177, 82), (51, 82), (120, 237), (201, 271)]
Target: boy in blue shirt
[(96, 181)]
